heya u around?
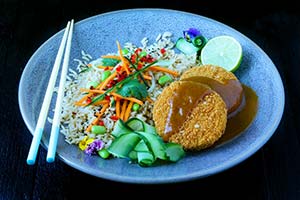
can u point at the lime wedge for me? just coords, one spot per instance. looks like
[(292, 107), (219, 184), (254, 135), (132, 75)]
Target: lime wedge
[(223, 51)]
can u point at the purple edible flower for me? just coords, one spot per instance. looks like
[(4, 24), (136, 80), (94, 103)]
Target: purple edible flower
[(94, 147), (190, 34)]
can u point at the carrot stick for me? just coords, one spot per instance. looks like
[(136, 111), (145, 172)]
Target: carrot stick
[(123, 109), (111, 56), (100, 87), (150, 100), (80, 102), (128, 98), (88, 129), (102, 102), (92, 91), (95, 121), (105, 106), (118, 107), (113, 94), (162, 69), (124, 61), (127, 113), (105, 67), (147, 77), (111, 77)]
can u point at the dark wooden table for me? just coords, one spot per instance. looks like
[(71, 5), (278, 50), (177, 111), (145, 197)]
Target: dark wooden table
[(273, 172)]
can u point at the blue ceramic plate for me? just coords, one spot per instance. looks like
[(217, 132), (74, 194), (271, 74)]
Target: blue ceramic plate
[(97, 36)]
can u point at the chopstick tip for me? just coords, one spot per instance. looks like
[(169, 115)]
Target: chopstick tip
[(30, 162)]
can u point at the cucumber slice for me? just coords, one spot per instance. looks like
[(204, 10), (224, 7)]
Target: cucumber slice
[(174, 152), (145, 158), (133, 155), (123, 145), (186, 47), (155, 144), (141, 147), (120, 129), (136, 124)]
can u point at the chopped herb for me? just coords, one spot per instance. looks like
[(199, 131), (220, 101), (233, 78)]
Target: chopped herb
[(133, 88)]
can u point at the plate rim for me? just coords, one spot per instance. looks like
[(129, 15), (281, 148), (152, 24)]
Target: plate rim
[(191, 176)]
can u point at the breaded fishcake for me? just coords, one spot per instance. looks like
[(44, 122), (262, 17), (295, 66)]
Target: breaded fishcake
[(202, 127), (210, 71), (225, 83)]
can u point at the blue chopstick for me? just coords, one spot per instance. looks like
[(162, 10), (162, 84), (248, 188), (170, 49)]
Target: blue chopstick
[(58, 106), (38, 132)]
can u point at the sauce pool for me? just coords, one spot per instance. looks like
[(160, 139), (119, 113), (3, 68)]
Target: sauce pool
[(240, 120)]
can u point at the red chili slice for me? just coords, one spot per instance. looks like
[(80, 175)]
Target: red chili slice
[(107, 98), (133, 58), (114, 117), (138, 51), (140, 66), (101, 123), (119, 68), (88, 100), (163, 51)]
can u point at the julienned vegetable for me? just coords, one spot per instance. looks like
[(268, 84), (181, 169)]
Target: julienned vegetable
[(119, 83), (139, 142)]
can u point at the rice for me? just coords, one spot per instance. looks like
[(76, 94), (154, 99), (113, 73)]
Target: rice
[(76, 119)]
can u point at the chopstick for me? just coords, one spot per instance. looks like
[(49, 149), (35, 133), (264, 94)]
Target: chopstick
[(58, 106), (39, 129)]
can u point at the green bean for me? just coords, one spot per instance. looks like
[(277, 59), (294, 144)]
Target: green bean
[(135, 107), (164, 79), (98, 130), (103, 153)]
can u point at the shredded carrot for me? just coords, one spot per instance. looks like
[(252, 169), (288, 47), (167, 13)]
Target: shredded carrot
[(99, 115), (105, 67), (104, 83), (147, 77), (80, 102), (88, 129), (150, 100), (112, 56), (102, 102), (123, 110), (105, 106), (124, 61), (92, 91), (128, 98), (162, 69), (127, 113), (118, 107), (114, 94), (89, 65)]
